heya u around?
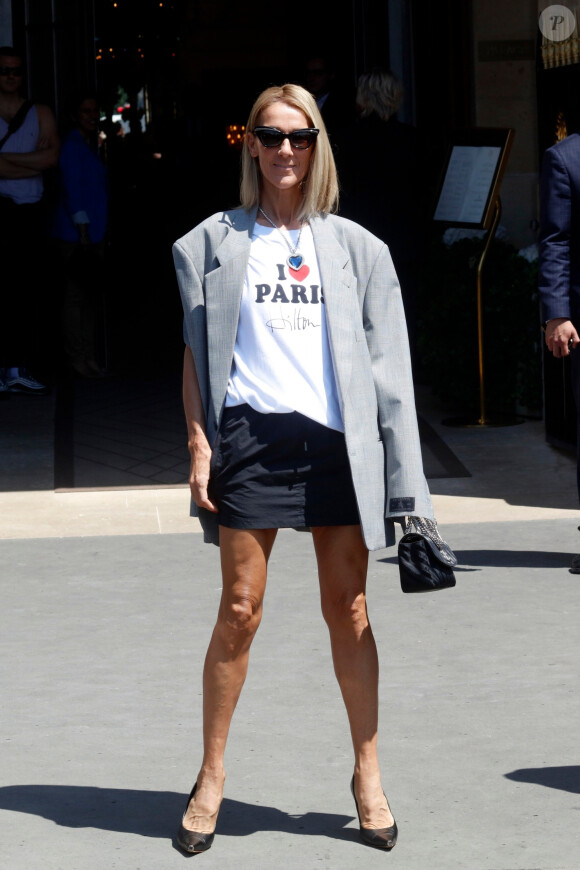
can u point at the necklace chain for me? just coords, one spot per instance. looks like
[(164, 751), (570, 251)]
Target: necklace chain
[(291, 248)]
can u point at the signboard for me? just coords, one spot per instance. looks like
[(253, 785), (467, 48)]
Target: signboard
[(472, 177)]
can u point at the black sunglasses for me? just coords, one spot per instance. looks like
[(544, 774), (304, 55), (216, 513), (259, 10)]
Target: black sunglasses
[(271, 137), (10, 70)]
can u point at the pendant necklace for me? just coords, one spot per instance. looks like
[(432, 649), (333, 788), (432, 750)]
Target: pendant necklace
[(295, 260)]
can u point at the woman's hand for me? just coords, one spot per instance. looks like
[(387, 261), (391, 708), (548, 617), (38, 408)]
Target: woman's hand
[(199, 448), (199, 475)]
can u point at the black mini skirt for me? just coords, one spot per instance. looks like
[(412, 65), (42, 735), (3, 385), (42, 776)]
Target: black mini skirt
[(274, 471)]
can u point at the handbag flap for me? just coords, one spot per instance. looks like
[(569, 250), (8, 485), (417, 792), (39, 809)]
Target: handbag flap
[(421, 566)]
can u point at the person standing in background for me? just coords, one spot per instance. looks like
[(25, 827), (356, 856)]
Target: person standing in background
[(334, 98), (559, 263), (29, 146), (79, 225)]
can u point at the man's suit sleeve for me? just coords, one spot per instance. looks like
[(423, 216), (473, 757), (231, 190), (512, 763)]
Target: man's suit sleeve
[(555, 233)]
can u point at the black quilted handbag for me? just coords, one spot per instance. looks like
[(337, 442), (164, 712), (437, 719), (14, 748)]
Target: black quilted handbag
[(425, 560)]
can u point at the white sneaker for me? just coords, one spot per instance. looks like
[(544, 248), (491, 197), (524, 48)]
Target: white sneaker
[(24, 383)]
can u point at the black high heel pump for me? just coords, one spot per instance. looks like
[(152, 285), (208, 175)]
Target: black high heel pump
[(380, 838), (193, 841)]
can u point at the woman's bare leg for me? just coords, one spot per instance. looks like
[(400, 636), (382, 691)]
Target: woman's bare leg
[(244, 560), (342, 569)]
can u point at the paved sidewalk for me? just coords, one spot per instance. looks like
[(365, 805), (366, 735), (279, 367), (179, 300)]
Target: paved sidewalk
[(102, 641), (108, 603)]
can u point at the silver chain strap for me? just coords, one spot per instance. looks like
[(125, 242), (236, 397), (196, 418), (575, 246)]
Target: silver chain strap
[(428, 528)]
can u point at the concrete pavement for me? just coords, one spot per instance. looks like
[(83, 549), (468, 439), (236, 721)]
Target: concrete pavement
[(103, 633), (102, 642)]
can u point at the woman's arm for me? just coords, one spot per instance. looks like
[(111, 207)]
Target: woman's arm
[(197, 442), (77, 168)]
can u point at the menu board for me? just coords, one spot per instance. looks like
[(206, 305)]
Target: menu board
[(472, 177)]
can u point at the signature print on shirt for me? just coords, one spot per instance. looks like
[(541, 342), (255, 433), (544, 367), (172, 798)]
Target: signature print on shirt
[(293, 321)]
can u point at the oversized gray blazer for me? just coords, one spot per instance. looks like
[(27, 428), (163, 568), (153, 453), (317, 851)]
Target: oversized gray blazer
[(369, 347)]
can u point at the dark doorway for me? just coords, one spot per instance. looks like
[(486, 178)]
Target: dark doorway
[(174, 78)]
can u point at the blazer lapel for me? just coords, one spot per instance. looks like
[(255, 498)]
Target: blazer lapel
[(337, 283), (224, 287)]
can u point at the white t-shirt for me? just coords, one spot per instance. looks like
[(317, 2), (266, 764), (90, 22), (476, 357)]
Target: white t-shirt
[(282, 361)]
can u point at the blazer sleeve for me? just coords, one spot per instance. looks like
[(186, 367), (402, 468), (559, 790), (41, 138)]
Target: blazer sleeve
[(194, 320), (555, 233), (195, 336), (387, 339)]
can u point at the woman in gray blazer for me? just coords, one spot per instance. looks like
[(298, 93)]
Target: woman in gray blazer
[(300, 412)]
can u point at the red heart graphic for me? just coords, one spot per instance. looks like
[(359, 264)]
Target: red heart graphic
[(300, 273)]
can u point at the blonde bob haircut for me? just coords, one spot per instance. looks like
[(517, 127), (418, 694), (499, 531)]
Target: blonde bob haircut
[(320, 187), (379, 92)]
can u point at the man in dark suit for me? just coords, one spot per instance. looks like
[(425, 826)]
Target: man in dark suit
[(559, 278), (334, 97)]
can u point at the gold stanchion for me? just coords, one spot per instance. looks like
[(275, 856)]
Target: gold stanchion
[(483, 419)]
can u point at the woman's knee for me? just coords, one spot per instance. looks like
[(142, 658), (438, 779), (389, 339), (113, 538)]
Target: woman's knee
[(343, 611), (238, 619), (244, 557)]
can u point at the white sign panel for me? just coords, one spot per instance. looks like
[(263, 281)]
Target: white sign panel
[(467, 183)]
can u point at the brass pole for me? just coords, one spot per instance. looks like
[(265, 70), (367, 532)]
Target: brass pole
[(491, 233)]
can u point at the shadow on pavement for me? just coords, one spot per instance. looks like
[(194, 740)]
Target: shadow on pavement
[(565, 778), (157, 814), (504, 559)]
